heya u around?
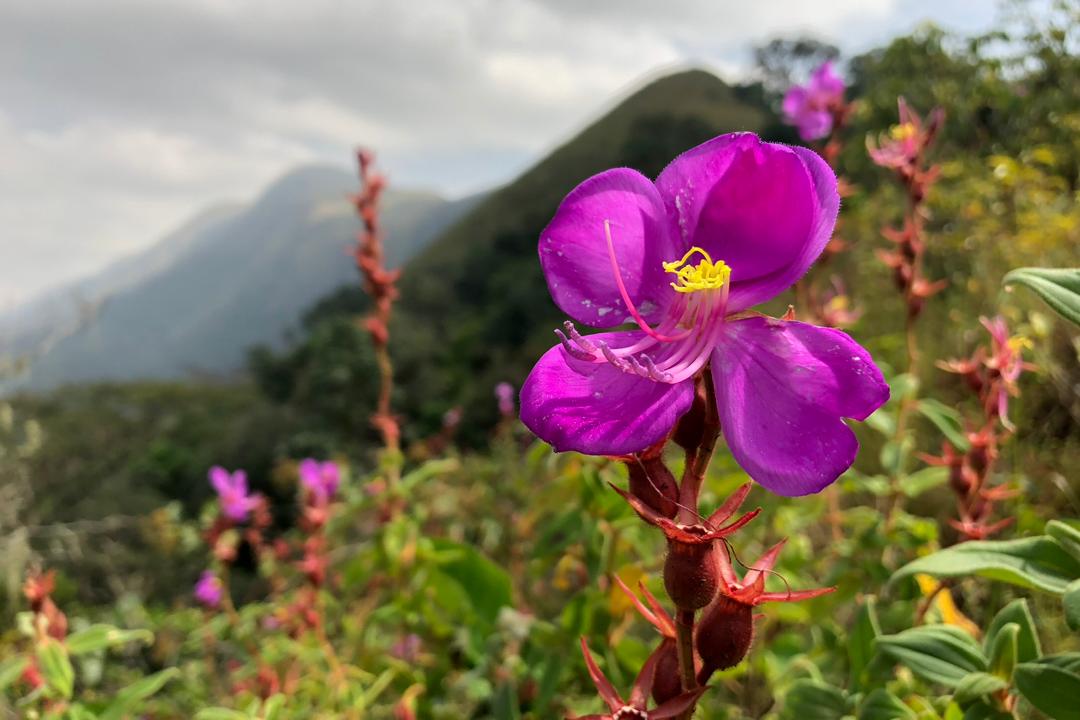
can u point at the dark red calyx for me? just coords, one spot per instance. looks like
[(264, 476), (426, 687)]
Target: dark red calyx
[(691, 575), (724, 634), (653, 483), (667, 683)]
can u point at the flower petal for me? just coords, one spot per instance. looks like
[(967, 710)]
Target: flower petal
[(597, 409), (757, 206), (783, 389), (220, 480), (574, 253)]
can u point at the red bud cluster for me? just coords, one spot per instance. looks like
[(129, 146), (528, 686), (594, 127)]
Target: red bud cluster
[(381, 284), (991, 374), (698, 576)]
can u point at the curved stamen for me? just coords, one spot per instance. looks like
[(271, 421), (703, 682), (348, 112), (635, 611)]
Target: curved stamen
[(626, 296), (574, 351)]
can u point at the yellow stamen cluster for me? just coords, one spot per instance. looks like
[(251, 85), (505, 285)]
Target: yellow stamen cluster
[(903, 131), (706, 275)]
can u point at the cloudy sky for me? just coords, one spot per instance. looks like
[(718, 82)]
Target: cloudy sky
[(119, 119)]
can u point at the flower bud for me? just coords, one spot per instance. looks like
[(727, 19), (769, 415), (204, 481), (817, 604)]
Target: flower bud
[(653, 483), (691, 576), (724, 634), (667, 683), (690, 430)]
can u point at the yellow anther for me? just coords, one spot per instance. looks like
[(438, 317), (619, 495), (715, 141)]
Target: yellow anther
[(902, 131), (1019, 343), (706, 275)]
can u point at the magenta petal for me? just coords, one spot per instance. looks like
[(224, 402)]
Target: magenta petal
[(597, 409), (575, 258), (783, 389), (757, 206), (220, 480), (815, 124), (824, 193), (795, 102)]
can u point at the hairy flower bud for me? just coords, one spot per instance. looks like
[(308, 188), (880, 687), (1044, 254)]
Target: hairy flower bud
[(666, 684), (724, 634), (691, 577), (653, 483)]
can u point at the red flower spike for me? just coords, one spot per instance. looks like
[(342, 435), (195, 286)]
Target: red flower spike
[(636, 709)]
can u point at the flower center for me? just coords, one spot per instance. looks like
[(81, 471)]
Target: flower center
[(628, 712), (680, 345), (706, 275), (903, 131)]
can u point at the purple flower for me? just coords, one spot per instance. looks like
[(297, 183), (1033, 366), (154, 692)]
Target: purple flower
[(727, 225), (321, 478), (811, 107), (504, 393), (209, 591), (232, 490)]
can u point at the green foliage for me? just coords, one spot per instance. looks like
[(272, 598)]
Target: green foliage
[(1059, 288), (1035, 562)]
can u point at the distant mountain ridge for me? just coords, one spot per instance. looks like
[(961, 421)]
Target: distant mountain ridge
[(229, 279)]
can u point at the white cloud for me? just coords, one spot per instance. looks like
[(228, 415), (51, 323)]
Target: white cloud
[(120, 118)]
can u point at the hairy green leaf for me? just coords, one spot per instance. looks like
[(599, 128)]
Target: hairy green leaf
[(1058, 287), (1052, 690), (1017, 612), (938, 653), (1036, 562)]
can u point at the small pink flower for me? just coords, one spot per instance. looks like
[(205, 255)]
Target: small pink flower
[(504, 393), (209, 591), (321, 478), (812, 107), (232, 490)]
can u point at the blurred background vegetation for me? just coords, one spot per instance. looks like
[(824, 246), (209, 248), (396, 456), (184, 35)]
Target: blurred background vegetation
[(106, 481)]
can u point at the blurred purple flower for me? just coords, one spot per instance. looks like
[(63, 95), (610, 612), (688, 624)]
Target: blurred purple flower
[(504, 393), (407, 648), (321, 478), (232, 490), (209, 591), (811, 107), (624, 249)]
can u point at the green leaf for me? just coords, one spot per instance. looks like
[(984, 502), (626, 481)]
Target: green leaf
[(1017, 612), (977, 685), (271, 709), (946, 419), (1059, 287), (1003, 651), (883, 705), (97, 637), (128, 698), (1050, 689), (220, 713), (861, 643), (1066, 536), (11, 670), (55, 666), (506, 705), (1069, 661), (917, 483), (939, 653), (813, 700), (488, 586), (980, 710), (1036, 562)]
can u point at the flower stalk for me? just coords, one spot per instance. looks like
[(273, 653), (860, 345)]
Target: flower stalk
[(381, 284)]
